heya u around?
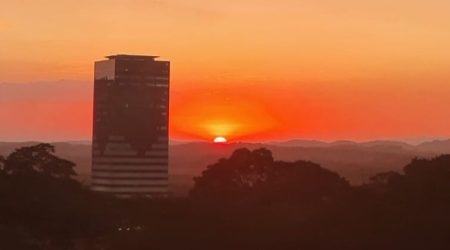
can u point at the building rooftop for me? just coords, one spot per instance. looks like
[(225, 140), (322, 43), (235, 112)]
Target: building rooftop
[(132, 57)]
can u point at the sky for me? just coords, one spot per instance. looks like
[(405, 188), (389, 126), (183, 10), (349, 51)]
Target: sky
[(250, 70)]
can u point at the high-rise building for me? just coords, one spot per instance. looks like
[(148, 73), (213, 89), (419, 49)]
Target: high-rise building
[(130, 137)]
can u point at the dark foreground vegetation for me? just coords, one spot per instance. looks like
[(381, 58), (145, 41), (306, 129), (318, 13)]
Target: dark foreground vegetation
[(247, 201)]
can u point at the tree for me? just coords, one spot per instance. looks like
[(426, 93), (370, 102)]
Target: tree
[(385, 182), (38, 159), (2, 164), (43, 206), (254, 175), (438, 166), (428, 179), (423, 180), (303, 181), (236, 176), (385, 178)]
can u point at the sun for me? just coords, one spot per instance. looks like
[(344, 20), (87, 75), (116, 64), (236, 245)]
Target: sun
[(220, 139)]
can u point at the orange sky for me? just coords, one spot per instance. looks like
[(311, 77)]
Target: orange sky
[(245, 69)]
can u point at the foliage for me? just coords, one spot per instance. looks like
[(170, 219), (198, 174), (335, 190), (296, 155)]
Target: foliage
[(42, 206), (38, 159), (275, 205), (238, 176), (254, 175)]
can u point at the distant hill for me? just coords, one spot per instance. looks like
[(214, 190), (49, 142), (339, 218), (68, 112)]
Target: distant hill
[(438, 146), (321, 144), (355, 161), (300, 143)]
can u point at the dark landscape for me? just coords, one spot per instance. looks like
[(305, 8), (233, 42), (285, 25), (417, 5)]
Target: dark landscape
[(357, 162), (246, 200)]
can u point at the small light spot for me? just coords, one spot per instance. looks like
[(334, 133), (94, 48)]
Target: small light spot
[(220, 139)]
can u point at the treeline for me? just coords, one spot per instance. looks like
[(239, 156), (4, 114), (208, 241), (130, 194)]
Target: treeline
[(247, 201)]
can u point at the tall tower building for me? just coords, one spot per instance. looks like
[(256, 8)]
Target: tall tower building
[(130, 137)]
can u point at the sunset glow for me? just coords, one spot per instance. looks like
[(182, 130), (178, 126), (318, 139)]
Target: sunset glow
[(247, 70), (224, 124)]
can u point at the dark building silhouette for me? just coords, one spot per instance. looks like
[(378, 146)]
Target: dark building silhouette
[(130, 137)]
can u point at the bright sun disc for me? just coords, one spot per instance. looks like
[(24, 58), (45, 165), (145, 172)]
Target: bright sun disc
[(220, 139)]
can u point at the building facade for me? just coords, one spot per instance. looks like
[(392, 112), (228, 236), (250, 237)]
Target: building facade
[(130, 126)]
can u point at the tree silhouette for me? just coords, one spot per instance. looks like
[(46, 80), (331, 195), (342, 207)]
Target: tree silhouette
[(258, 203), (385, 178), (44, 207), (254, 175), (302, 181), (38, 159), (2, 164), (237, 176), (428, 179)]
